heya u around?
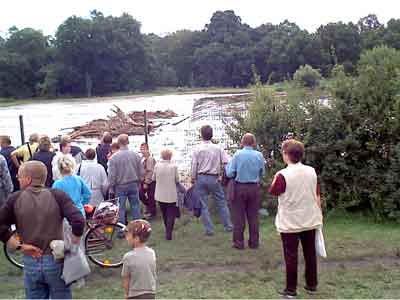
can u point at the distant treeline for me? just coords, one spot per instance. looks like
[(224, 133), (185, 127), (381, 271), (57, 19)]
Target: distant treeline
[(106, 54)]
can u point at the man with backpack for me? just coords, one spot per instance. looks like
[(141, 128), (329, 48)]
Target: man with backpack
[(26, 151)]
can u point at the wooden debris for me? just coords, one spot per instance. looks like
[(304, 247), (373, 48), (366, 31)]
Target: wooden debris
[(131, 123)]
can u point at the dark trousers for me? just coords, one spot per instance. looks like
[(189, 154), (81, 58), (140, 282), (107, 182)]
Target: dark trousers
[(246, 204), (290, 242), (169, 211), (151, 202)]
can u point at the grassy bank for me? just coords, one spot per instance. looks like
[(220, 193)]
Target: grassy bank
[(363, 262), (4, 102)]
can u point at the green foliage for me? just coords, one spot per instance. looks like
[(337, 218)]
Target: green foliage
[(306, 76), (353, 141), (105, 54)]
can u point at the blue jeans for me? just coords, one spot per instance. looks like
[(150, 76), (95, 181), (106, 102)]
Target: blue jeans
[(42, 277), (205, 186), (130, 192)]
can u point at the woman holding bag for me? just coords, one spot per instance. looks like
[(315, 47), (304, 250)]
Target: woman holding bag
[(299, 215)]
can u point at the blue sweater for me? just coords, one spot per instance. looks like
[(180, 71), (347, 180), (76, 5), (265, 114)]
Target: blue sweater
[(76, 188)]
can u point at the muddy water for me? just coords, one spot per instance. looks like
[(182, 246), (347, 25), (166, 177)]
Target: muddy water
[(51, 118)]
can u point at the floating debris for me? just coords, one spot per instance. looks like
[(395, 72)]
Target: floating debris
[(131, 123)]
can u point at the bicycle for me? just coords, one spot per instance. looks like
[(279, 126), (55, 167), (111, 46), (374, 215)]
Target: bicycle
[(103, 241)]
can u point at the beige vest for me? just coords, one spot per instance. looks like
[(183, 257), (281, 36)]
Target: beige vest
[(298, 209)]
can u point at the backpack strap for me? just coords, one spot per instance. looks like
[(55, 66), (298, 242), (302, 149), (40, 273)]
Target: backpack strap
[(29, 149)]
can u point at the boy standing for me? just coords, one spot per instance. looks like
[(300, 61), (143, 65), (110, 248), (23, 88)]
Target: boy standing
[(139, 265)]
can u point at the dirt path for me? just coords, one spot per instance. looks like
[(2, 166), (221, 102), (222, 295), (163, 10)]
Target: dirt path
[(389, 262)]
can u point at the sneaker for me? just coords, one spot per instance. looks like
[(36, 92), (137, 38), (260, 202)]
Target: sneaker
[(310, 290), (209, 233), (228, 229), (287, 294)]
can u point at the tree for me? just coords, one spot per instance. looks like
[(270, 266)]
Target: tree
[(354, 142), (392, 34), (24, 53), (107, 54), (342, 43), (371, 31), (306, 76)]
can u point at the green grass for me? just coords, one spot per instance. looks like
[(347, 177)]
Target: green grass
[(362, 262), (4, 102)]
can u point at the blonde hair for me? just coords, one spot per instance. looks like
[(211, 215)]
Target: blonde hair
[(66, 165), (166, 154)]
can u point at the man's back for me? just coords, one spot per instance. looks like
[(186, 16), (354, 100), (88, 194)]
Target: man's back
[(207, 159), (247, 166), (125, 167), (46, 157), (38, 213), (102, 151)]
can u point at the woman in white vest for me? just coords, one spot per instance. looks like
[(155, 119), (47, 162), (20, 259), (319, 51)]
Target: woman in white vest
[(299, 215)]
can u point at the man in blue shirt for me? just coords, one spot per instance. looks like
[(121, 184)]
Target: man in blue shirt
[(246, 168)]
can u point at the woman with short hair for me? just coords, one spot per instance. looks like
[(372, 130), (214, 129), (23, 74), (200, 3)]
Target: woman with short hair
[(71, 184), (166, 176), (94, 175), (299, 215), (45, 156)]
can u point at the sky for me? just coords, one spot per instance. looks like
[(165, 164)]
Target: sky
[(166, 16)]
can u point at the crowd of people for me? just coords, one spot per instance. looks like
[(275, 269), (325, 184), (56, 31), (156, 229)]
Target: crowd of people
[(40, 186)]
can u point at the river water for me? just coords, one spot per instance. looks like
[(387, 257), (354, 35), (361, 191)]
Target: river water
[(51, 117)]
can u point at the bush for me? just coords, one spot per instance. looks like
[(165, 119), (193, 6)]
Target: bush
[(353, 143), (306, 76)]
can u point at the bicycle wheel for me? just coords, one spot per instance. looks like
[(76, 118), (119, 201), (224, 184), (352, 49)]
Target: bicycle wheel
[(14, 256), (104, 245)]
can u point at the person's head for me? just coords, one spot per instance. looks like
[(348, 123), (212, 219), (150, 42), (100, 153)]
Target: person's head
[(206, 132), (137, 232), (90, 154), (249, 140), (144, 149), (44, 143), (66, 165), (107, 138), (114, 147), (292, 151), (34, 138), (32, 173), (5, 141), (65, 144), (123, 140), (166, 154)]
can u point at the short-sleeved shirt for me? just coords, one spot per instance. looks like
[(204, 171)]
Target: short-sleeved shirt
[(24, 153), (208, 159), (140, 264)]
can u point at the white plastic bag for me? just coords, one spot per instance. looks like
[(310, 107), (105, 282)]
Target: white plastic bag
[(76, 266), (320, 243)]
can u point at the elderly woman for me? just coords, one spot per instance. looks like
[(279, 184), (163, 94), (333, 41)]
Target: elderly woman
[(299, 215), (166, 176), (71, 184), (94, 175)]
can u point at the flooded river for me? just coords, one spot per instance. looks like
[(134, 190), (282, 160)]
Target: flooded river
[(51, 117)]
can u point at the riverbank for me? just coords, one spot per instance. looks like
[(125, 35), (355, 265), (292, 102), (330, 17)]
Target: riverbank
[(6, 102)]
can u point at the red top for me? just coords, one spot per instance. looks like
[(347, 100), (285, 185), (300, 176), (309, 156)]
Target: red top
[(279, 186)]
